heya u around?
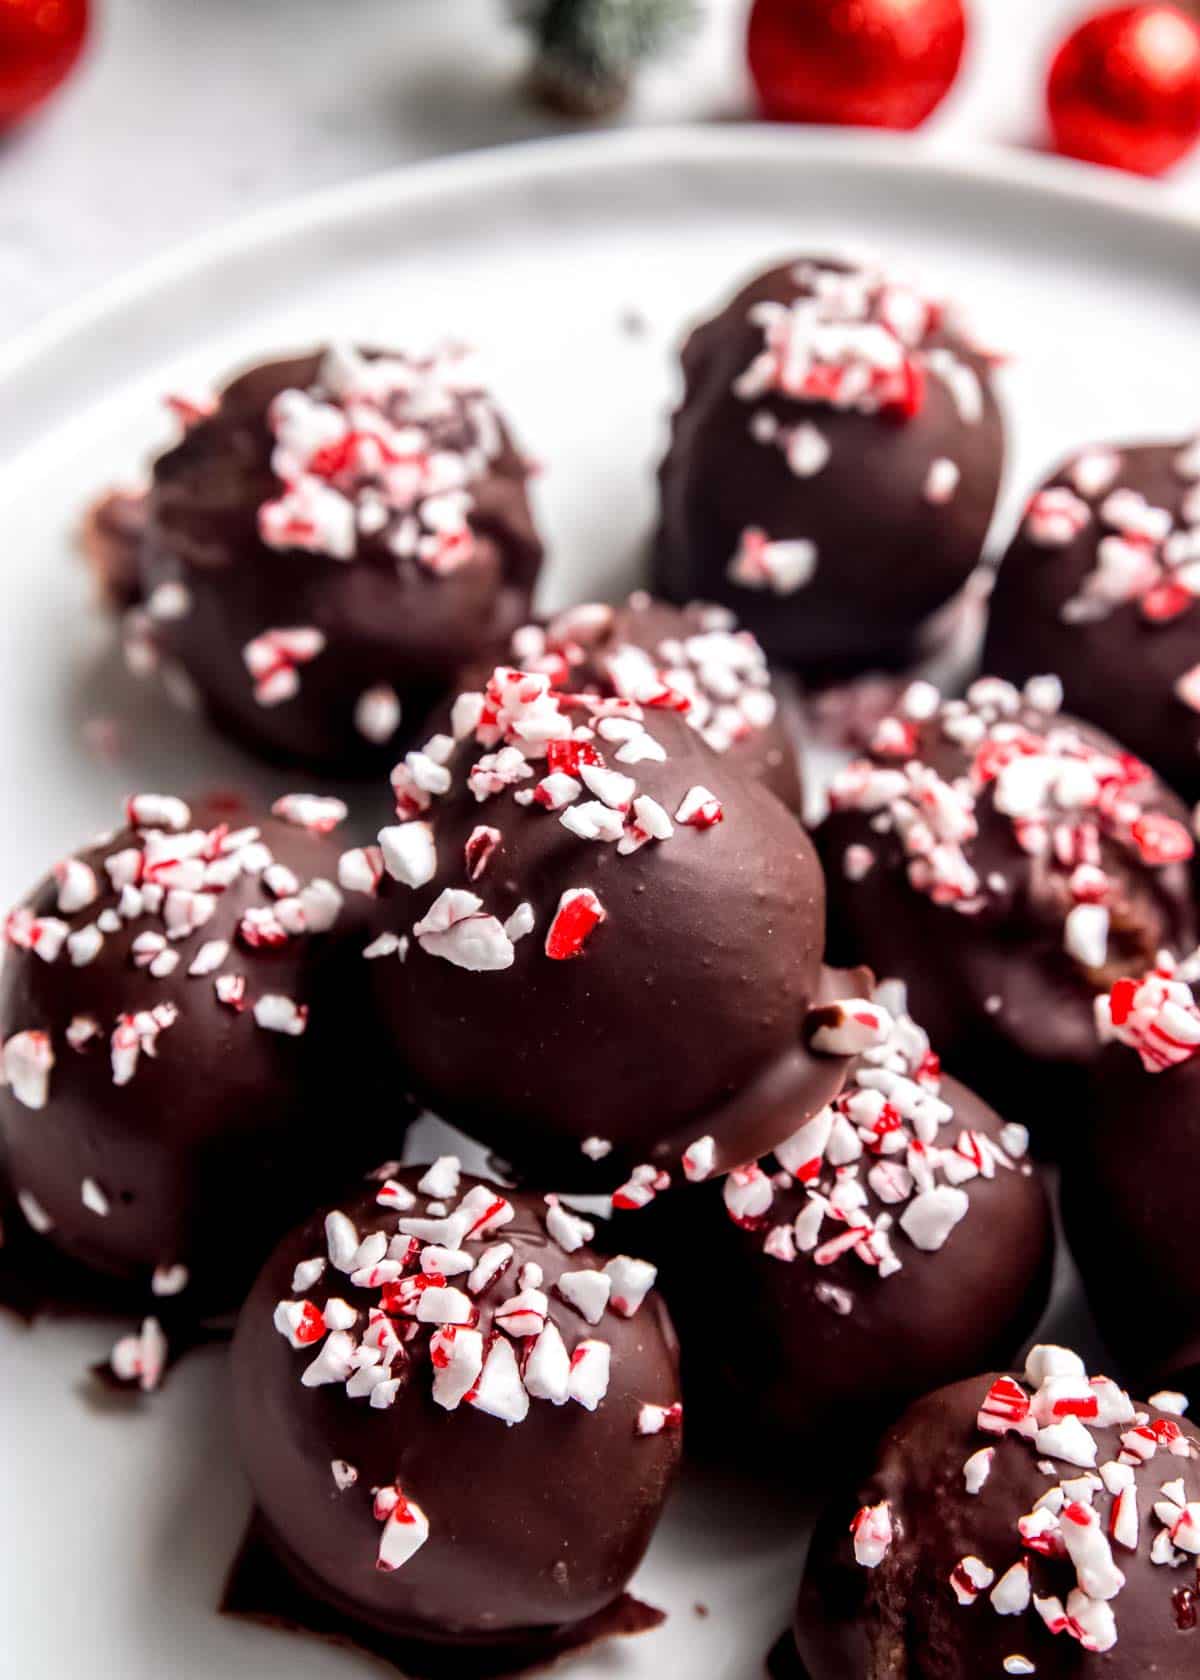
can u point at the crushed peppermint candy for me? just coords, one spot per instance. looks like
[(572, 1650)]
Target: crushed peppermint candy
[(318, 813), (27, 1063), (382, 450), (377, 713), (848, 1027), (1147, 557), (652, 1419), (169, 1280), (141, 1358), (579, 913), (274, 660), (887, 1159), (1063, 796), (713, 674), (855, 339), (1157, 1016), (1088, 1521), (432, 1296), (873, 1534), (780, 566), (522, 725), (33, 1213), (405, 1528), (166, 879)]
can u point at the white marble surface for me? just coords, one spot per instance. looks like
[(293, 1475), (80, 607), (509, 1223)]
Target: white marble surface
[(187, 113)]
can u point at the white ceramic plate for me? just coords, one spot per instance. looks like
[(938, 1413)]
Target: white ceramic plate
[(116, 1529)]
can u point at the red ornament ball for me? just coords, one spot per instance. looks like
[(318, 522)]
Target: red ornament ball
[(877, 63), (1124, 89), (39, 43)]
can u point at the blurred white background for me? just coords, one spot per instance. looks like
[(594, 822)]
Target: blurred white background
[(187, 113)]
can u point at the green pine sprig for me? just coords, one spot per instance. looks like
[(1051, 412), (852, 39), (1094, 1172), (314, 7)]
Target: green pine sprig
[(587, 51)]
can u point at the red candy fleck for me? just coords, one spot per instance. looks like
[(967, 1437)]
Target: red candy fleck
[(439, 1352), (930, 1070), (1005, 1406), (668, 699), (262, 932), (488, 1216), (1078, 1407), (568, 756), (478, 850), (700, 809), (311, 1326), (1165, 602), (909, 399), (579, 913), (1162, 839), (1121, 1000), (888, 1120)]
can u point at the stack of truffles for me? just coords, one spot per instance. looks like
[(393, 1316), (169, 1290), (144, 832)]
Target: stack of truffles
[(761, 1117)]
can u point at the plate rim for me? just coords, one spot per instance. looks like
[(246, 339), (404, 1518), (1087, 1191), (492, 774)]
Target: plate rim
[(1011, 171)]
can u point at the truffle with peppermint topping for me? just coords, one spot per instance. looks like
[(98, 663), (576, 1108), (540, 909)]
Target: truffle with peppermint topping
[(1042, 1525), (328, 546), (1129, 1183), (694, 658), (833, 466), (460, 1422), (1008, 863), (899, 1239), (180, 1015), (598, 939), (1102, 585)]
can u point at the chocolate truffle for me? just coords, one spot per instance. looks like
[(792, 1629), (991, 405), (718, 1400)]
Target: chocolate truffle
[(1044, 1527), (897, 1240), (833, 466), (693, 659), (1100, 585), (460, 1423), (180, 1013), (1008, 863), (600, 940), (329, 545), (1129, 1183)]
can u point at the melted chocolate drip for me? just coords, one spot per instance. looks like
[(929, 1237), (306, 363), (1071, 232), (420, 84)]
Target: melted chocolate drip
[(262, 1590)]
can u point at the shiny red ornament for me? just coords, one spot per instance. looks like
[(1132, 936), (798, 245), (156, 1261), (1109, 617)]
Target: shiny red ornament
[(877, 63), (39, 43), (1124, 89)]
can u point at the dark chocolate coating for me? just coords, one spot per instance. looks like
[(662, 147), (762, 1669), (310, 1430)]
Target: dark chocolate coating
[(111, 541), (887, 557), (1118, 671), (901, 1621), (533, 1526), (798, 1368), (385, 620), (1129, 1212), (221, 1138), (696, 985), (1026, 1057), (769, 754)]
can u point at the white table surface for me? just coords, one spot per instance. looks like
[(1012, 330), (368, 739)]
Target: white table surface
[(187, 113)]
